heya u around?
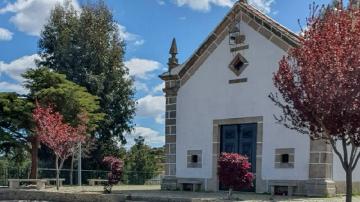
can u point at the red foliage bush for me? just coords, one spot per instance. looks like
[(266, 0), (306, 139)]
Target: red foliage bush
[(233, 171), (116, 165)]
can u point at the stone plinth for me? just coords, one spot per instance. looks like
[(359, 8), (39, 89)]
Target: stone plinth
[(320, 188)]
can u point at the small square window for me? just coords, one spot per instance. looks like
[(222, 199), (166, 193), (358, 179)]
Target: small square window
[(194, 158), (284, 158)]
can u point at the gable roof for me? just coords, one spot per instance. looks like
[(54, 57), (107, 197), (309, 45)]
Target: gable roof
[(263, 24)]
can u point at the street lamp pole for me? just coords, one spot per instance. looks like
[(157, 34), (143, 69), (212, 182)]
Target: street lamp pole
[(79, 165)]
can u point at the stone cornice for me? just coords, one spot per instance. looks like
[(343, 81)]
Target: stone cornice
[(169, 77)]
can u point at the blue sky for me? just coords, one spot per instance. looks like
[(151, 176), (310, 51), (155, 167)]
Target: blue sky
[(148, 27)]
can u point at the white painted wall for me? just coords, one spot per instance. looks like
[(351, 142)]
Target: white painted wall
[(338, 170), (208, 96)]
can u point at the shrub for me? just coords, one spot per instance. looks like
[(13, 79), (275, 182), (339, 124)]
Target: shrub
[(233, 172)]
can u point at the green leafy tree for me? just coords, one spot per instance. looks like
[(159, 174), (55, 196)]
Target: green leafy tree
[(45, 86), (159, 154), (14, 164), (140, 164), (16, 126), (70, 99), (85, 46)]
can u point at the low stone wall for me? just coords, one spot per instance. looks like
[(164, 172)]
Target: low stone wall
[(14, 194), (341, 187)]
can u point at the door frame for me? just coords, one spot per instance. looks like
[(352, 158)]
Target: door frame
[(214, 181)]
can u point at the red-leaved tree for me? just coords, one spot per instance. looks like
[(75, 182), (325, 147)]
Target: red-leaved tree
[(57, 135), (320, 84), (233, 172), (116, 169)]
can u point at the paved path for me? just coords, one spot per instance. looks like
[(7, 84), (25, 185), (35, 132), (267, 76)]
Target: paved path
[(219, 197), (152, 193)]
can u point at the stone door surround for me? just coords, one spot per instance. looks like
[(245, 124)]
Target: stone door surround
[(213, 184)]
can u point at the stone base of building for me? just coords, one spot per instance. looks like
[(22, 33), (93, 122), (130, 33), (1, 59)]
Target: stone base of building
[(169, 183), (299, 189), (175, 183), (313, 188), (320, 188)]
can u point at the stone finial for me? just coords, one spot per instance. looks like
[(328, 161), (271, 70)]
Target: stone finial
[(173, 48), (173, 61)]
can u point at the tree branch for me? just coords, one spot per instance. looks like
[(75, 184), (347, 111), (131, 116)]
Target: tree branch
[(356, 161), (353, 152), (346, 160)]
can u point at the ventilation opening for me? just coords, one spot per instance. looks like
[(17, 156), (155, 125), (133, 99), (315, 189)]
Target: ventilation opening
[(284, 158), (281, 190), (238, 65), (187, 187), (194, 158)]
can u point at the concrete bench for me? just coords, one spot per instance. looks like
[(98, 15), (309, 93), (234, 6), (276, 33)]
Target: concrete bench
[(93, 182), (290, 187), (195, 184), (50, 180), (15, 183)]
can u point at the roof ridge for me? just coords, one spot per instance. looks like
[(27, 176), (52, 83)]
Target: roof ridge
[(248, 6), (278, 34)]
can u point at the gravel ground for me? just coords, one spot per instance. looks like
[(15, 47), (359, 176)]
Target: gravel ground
[(154, 191)]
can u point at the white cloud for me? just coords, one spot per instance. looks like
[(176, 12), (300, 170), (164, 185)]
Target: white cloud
[(15, 68), (161, 2), (11, 87), (139, 42), (205, 5), (31, 15), (5, 35), (141, 86), (159, 88), (141, 68), (152, 137), (152, 106), (130, 37), (263, 5)]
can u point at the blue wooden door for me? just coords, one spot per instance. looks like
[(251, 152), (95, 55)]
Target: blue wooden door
[(240, 139)]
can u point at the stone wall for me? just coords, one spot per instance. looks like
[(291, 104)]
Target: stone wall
[(320, 181), (169, 182)]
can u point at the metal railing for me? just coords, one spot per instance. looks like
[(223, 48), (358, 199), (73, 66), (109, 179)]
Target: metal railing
[(130, 177)]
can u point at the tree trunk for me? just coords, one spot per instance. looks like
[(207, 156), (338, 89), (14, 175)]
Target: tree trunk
[(71, 169), (34, 156), (348, 185), (57, 172)]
